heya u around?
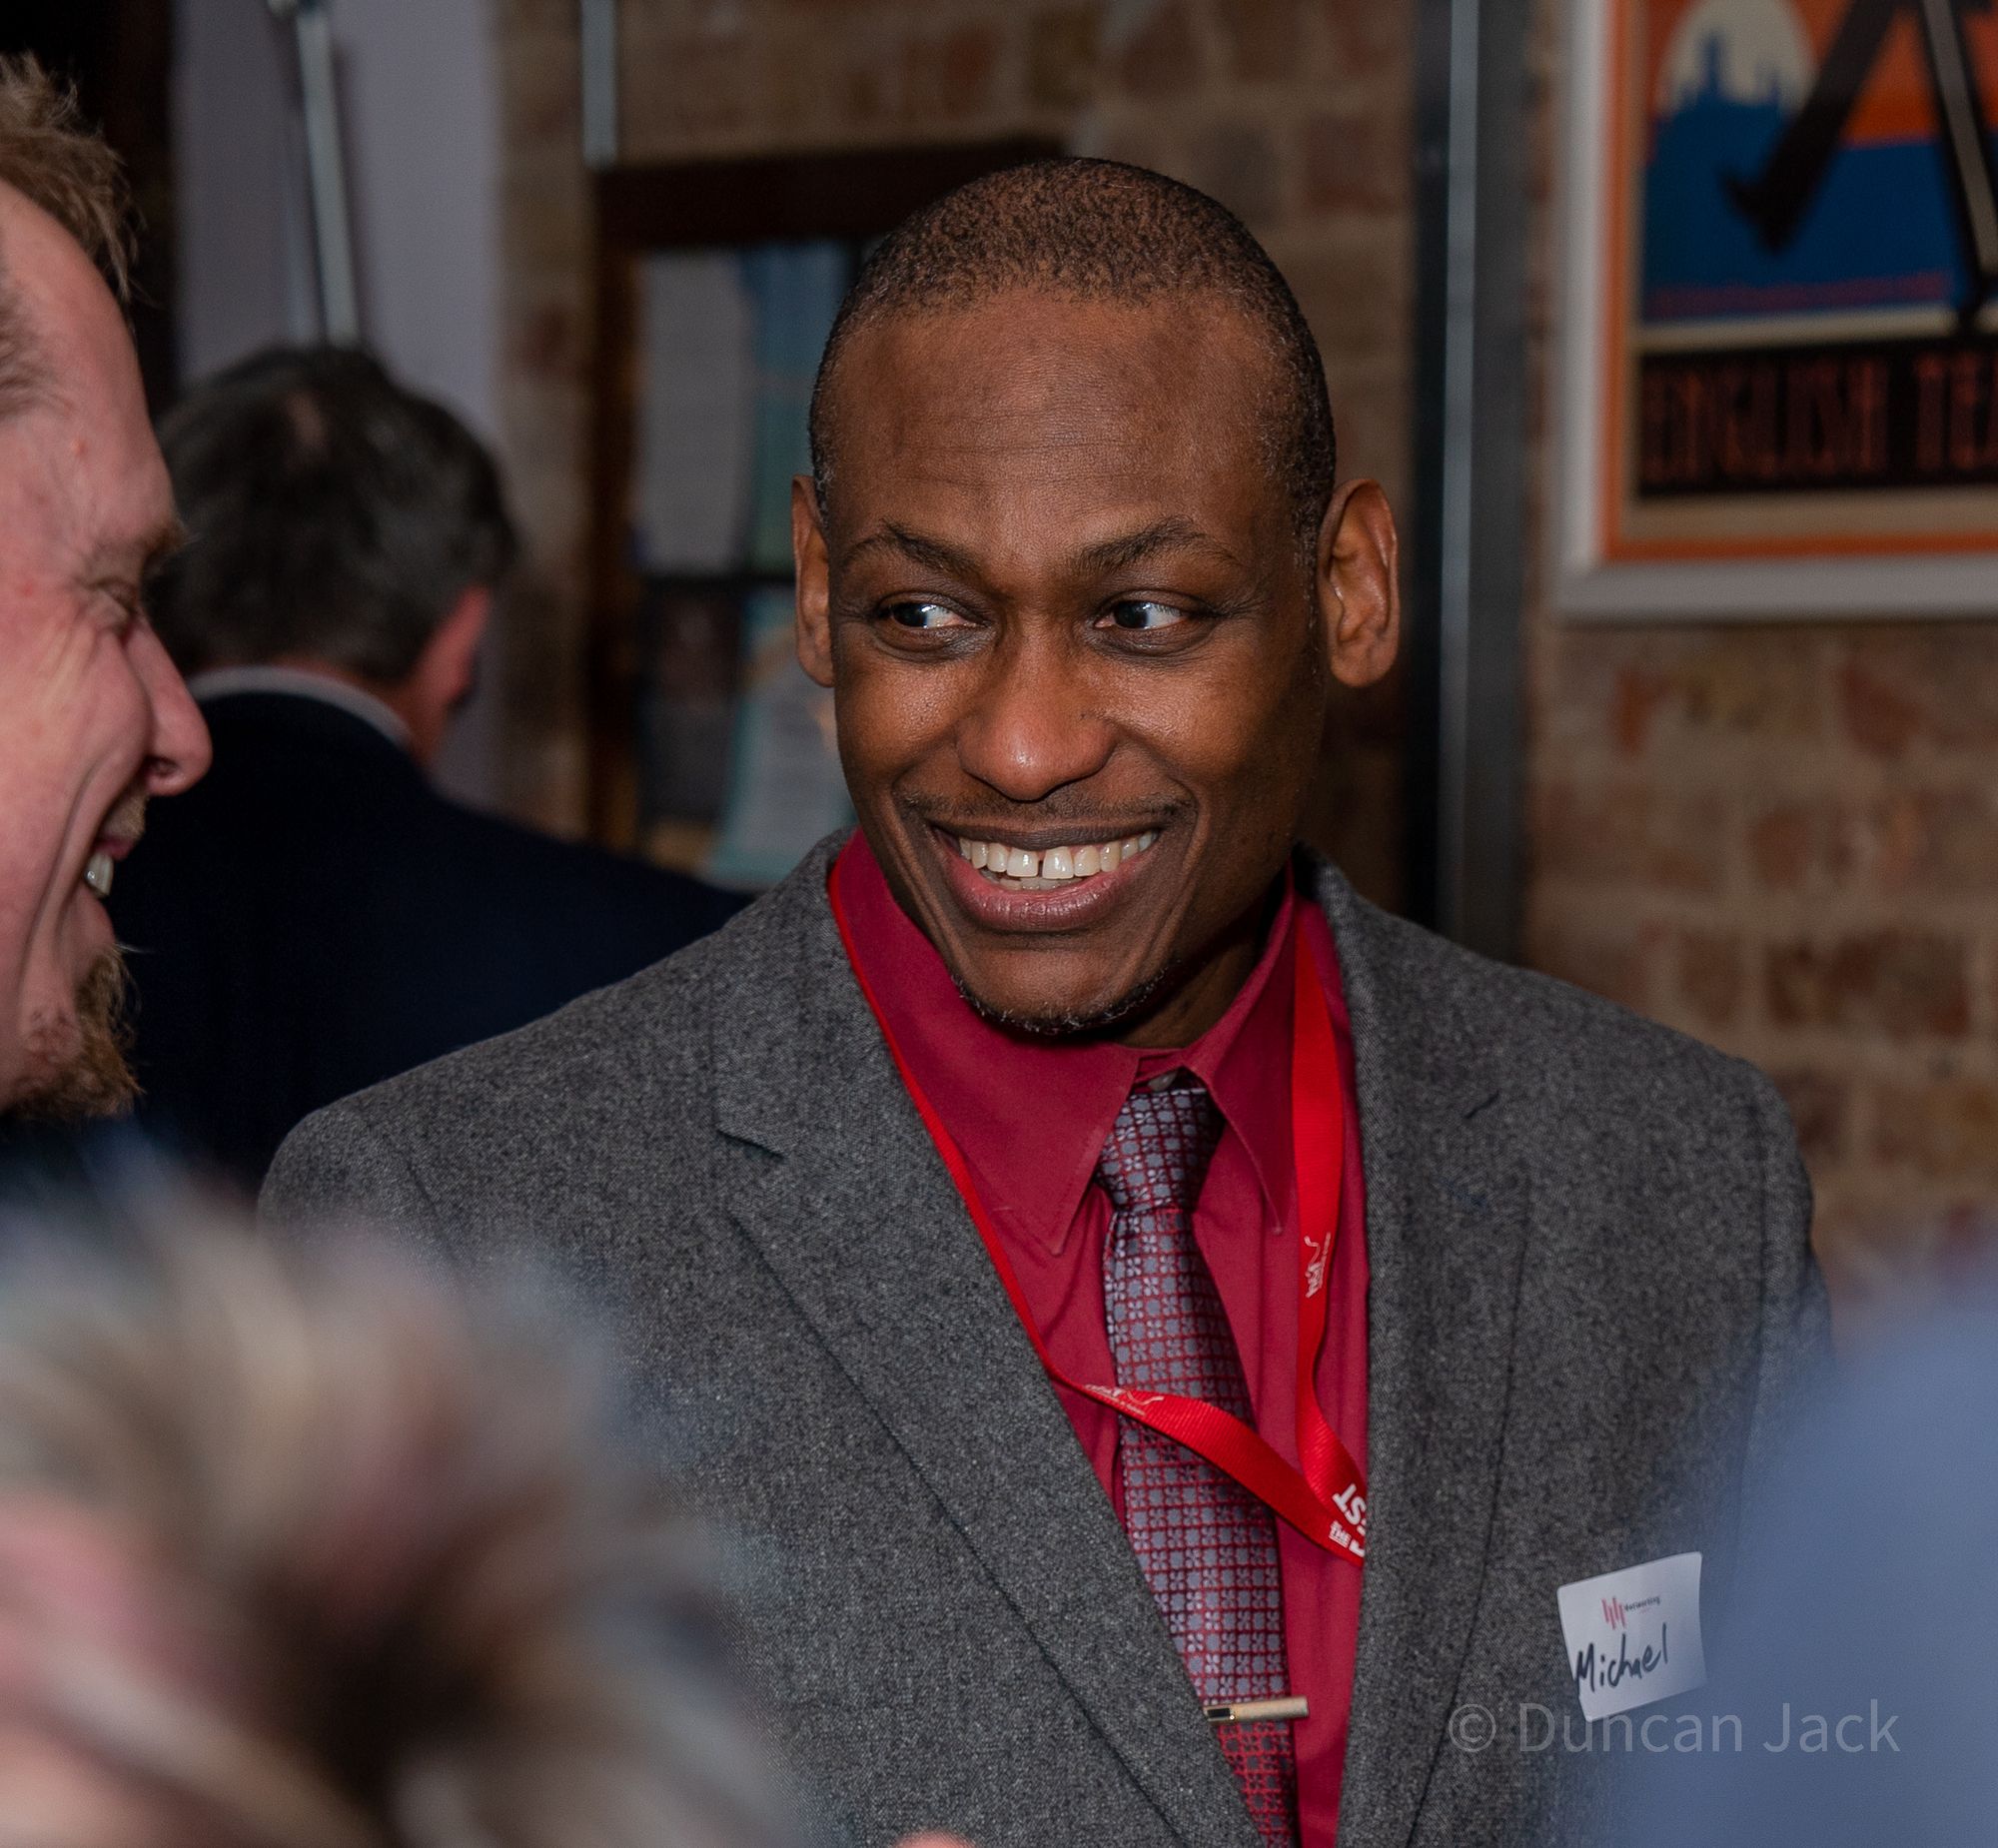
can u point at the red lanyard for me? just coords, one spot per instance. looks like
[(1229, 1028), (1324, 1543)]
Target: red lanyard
[(1326, 1499)]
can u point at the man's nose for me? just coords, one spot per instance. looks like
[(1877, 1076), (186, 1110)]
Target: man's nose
[(1031, 728), (178, 753)]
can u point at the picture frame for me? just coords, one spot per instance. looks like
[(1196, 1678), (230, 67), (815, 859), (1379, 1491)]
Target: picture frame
[(708, 750), (1775, 388)]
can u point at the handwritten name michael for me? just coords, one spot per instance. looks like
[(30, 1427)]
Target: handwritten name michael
[(1595, 1672)]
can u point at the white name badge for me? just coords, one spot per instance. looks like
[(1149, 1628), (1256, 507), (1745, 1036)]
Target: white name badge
[(1633, 1636)]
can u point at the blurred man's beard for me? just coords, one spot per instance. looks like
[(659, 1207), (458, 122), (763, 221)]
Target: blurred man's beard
[(76, 1068)]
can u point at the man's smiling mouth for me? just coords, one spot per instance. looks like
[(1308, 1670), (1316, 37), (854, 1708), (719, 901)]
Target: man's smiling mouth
[(121, 832), (1020, 869)]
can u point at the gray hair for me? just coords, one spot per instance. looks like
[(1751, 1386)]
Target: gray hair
[(332, 515), (394, 1589)]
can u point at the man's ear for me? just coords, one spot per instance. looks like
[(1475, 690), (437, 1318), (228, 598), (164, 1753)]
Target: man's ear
[(443, 678), (450, 660), (1358, 584), (815, 582)]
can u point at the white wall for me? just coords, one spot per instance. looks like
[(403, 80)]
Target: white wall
[(419, 96), (241, 255)]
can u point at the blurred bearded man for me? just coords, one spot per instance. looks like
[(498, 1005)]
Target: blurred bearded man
[(1101, 1243), (94, 718)]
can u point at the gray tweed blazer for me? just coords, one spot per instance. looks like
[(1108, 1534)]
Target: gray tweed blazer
[(1592, 1291)]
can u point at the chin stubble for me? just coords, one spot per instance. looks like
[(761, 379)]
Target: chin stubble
[(1071, 1026), (78, 1068)]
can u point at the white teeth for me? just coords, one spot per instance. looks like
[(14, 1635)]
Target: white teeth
[(1042, 872), (97, 874)]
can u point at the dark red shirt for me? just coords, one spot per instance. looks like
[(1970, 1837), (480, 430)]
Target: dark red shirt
[(1031, 1117)]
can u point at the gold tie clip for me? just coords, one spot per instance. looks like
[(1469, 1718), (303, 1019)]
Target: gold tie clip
[(1283, 1707)]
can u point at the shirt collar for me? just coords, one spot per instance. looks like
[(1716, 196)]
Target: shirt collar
[(1031, 1115), (302, 683)]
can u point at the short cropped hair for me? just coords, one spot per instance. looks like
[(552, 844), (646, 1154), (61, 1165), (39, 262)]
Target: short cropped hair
[(331, 515), (1096, 230), (369, 1566), (51, 158)]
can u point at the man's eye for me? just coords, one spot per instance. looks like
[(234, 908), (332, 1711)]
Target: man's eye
[(128, 605), (1142, 613), (924, 616)]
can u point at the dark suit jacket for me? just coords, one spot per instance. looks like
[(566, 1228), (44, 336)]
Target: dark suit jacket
[(1592, 1293), (312, 918)]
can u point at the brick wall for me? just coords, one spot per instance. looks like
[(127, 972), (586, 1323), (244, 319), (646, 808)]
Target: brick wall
[(1293, 112), (1784, 839)]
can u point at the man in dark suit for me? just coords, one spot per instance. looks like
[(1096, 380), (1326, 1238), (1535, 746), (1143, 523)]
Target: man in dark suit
[(1172, 1331), (321, 918)]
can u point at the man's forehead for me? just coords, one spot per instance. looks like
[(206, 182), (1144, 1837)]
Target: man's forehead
[(82, 416), (1100, 399), (1022, 373), (1025, 346), (63, 307)]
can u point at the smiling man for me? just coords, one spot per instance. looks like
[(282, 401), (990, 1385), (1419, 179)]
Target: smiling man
[(1168, 1330), (94, 719)]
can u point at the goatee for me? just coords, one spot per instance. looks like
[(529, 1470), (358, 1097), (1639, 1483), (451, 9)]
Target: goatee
[(1071, 1026)]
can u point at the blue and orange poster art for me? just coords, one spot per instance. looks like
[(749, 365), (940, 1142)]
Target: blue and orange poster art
[(1803, 346)]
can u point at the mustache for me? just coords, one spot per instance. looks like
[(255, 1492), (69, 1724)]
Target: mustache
[(1056, 811), (127, 820)]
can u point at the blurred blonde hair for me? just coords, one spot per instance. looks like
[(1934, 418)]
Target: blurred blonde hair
[(397, 1592)]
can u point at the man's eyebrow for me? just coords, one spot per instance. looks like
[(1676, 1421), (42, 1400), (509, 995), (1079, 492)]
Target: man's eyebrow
[(936, 554), (143, 555), (162, 543), (1173, 534)]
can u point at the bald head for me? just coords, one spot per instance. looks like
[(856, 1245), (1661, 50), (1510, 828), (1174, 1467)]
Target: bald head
[(1098, 232)]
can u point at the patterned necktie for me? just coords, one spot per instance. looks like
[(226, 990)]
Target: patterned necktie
[(1208, 1547)]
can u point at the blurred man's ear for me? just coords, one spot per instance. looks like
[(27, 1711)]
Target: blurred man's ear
[(445, 673), (814, 584)]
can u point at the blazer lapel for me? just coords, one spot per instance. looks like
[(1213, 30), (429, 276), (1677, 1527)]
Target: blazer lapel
[(858, 1219), (1446, 1217)]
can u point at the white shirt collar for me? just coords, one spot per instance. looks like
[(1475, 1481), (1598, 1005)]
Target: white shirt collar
[(303, 683)]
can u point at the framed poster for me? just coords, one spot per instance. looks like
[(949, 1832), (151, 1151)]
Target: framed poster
[(1778, 383)]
